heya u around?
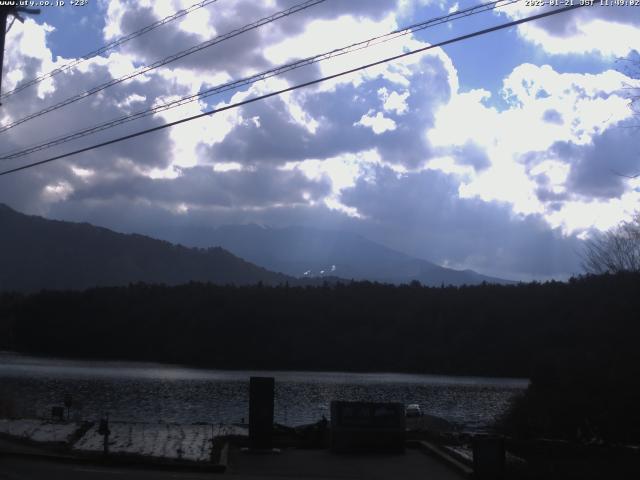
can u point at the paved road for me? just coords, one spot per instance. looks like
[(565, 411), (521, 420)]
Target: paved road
[(324, 465), (290, 464), (16, 468)]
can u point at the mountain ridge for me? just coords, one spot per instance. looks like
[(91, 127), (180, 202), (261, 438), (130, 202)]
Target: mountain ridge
[(78, 255), (295, 250), (38, 253)]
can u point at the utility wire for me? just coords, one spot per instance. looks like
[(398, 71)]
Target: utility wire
[(167, 60), (296, 87), (260, 76), (106, 48)]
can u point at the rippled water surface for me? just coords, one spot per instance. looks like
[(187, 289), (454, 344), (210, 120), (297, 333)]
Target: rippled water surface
[(152, 392)]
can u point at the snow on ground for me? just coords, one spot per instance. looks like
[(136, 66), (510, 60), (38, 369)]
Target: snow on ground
[(464, 452), (39, 430), (164, 440)]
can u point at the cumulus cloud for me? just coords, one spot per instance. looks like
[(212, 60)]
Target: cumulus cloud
[(378, 123), (594, 168), (336, 111), (566, 118), (225, 17), (394, 101)]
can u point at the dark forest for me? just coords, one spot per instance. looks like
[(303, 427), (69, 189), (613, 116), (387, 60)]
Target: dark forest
[(360, 326)]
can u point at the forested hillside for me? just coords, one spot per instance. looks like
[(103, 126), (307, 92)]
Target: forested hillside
[(37, 253), (487, 329)]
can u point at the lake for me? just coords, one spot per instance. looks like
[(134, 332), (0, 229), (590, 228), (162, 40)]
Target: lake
[(146, 392)]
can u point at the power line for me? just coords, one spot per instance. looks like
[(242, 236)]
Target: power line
[(296, 87), (160, 63), (260, 76), (107, 47)]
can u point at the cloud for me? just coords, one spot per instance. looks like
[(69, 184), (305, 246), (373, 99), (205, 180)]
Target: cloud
[(281, 137), (458, 232), (609, 30), (204, 187), (595, 167), (573, 119), (378, 123), (222, 18), (33, 190), (394, 101), (469, 154), (552, 116), (435, 223)]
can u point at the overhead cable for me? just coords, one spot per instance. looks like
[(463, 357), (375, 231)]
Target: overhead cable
[(106, 48), (368, 43), (165, 61), (296, 87)]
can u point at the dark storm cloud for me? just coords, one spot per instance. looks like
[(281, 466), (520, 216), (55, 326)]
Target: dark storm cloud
[(594, 166), (190, 227), (204, 187), (24, 192)]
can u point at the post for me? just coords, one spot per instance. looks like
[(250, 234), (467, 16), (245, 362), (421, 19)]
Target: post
[(105, 446), (104, 431), (261, 391), (488, 457), (4, 12), (68, 401)]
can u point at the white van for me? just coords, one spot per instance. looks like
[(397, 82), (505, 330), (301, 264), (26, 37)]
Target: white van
[(413, 410)]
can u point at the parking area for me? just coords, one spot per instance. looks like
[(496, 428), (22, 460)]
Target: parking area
[(323, 464)]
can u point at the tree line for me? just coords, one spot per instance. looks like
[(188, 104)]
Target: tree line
[(485, 329)]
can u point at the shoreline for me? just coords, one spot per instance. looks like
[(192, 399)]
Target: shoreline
[(150, 364)]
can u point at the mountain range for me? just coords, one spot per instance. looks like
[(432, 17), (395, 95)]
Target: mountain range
[(37, 253), (304, 251)]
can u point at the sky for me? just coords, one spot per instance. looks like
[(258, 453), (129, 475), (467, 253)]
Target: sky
[(500, 154)]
